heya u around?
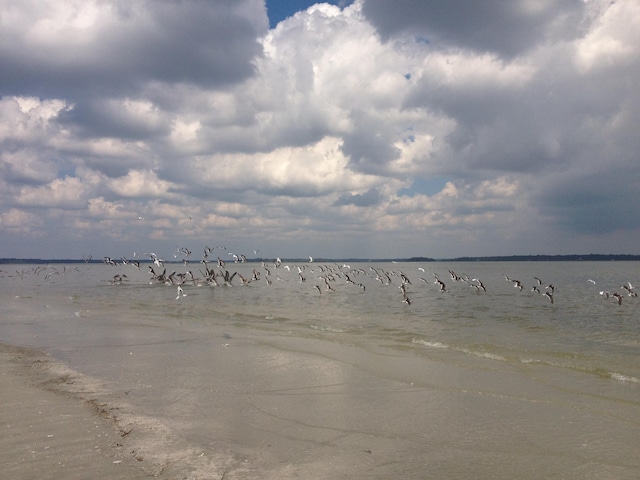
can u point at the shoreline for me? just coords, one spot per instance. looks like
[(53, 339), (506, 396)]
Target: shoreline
[(51, 432), (59, 423)]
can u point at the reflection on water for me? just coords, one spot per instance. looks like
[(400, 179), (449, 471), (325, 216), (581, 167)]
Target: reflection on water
[(337, 375)]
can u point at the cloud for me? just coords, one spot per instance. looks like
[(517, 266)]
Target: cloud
[(67, 192), (110, 48), (407, 128), (369, 198), (506, 29), (19, 222), (139, 184)]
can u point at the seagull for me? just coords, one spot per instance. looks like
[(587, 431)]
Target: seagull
[(549, 295), (405, 299), (629, 288), (479, 286), (180, 293), (618, 297)]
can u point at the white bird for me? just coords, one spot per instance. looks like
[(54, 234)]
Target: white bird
[(180, 293)]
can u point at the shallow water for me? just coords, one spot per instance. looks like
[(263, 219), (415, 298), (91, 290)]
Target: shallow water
[(282, 381)]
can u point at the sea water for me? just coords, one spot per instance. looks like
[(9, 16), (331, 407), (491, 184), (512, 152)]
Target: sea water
[(326, 370)]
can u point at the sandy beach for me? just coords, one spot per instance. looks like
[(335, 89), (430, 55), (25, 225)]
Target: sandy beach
[(49, 432)]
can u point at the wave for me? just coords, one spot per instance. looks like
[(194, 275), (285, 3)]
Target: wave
[(466, 351), (624, 378), (602, 373)]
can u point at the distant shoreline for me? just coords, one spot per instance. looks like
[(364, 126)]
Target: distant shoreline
[(592, 257)]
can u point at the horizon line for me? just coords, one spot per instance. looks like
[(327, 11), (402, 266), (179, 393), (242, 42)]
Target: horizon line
[(518, 257)]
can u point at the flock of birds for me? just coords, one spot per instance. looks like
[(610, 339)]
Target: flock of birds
[(213, 271)]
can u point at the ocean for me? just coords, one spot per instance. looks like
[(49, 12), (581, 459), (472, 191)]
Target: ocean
[(360, 370)]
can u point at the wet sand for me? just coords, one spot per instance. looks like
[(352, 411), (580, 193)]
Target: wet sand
[(49, 432)]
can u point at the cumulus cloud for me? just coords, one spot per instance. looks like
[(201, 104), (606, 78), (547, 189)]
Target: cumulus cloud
[(507, 29), (372, 129), (67, 192), (107, 48)]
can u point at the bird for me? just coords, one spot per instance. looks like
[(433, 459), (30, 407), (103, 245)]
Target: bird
[(180, 293), (405, 298), (479, 286), (549, 295), (443, 287), (629, 288)]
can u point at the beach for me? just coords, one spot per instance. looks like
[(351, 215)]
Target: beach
[(50, 432)]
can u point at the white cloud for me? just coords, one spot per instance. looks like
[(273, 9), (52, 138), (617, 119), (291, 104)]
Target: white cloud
[(65, 192), (139, 184), (613, 40), (28, 119), (16, 221)]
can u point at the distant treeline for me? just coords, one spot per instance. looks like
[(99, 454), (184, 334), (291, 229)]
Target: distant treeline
[(592, 257)]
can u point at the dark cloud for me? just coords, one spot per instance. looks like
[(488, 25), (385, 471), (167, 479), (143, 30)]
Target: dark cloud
[(370, 146), (105, 118), (593, 202), (206, 43), (506, 28), (367, 199)]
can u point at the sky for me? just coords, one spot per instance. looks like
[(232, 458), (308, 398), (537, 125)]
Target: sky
[(357, 129)]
